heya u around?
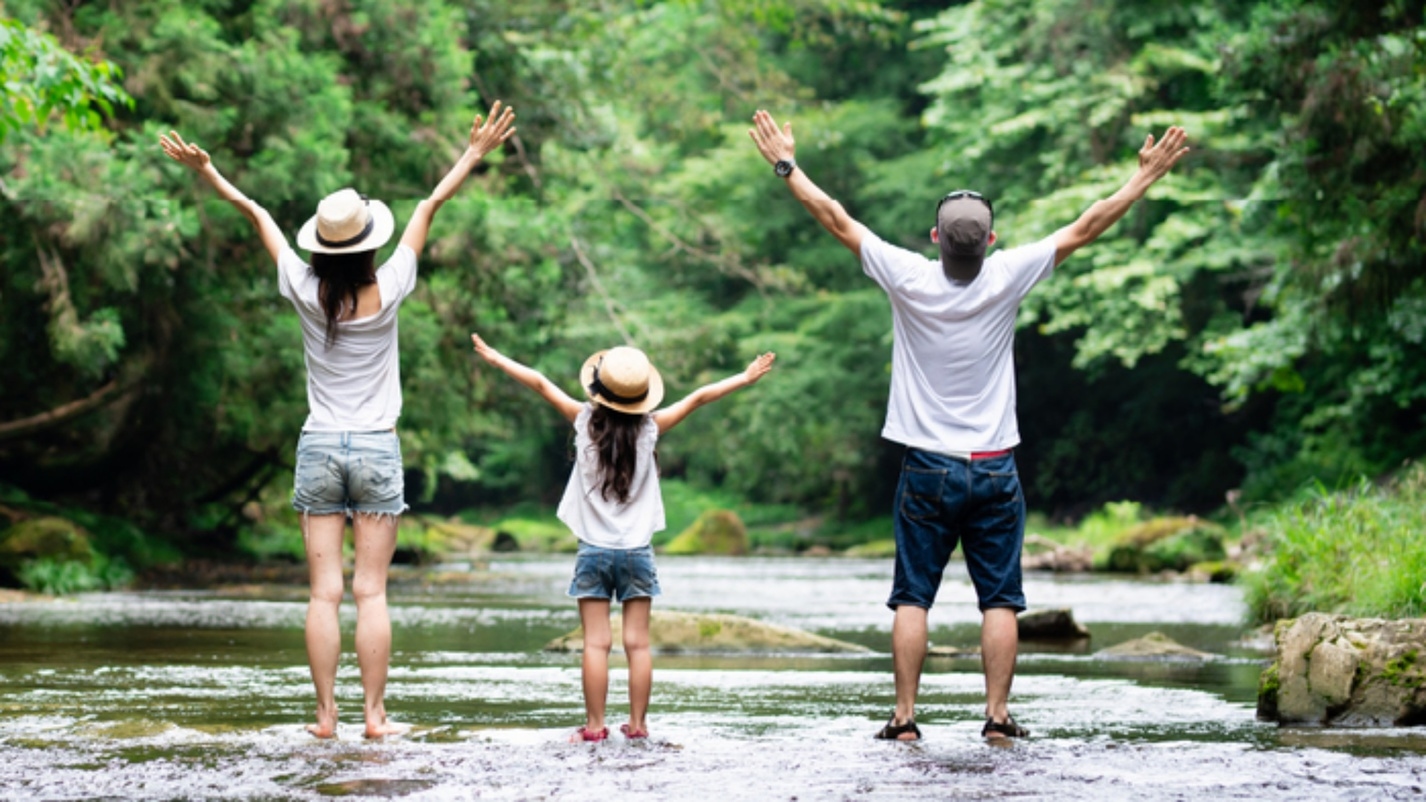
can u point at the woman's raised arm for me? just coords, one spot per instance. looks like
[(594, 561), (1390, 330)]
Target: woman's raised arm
[(192, 156), (485, 135)]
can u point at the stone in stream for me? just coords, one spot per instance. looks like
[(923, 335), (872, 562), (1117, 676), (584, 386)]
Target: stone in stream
[(713, 632), (1056, 623), (1346, 672), (715, 532), (1153, 646)]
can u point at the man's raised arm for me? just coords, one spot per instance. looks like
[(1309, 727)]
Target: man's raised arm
[(1155, 160), (778, 147)]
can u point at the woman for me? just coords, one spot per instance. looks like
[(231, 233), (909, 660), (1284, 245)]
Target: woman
[(349, 456)]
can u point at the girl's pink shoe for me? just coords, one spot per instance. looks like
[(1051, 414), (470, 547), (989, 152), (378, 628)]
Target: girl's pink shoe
[(583, 734), (631, 733)]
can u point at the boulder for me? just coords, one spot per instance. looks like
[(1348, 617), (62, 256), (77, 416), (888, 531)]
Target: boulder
[(1042, 554), (47, 537), (1052, 624), (1167, 544), (1153, 646), (713, 632), (715, 532), (1346, 672)]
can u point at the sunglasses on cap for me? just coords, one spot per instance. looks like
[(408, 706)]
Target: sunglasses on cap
[(965, 193)]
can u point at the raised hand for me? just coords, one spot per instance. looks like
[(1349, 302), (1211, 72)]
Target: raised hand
[(484, 350), (489, 133), (759, 367), (185, 153), (1157, 158), (773, 143)]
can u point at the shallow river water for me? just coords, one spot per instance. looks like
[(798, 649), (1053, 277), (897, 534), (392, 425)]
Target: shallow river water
[(203, 695)]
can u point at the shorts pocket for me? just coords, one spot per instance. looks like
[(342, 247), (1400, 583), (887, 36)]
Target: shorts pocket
[(921, 493), (316, 485)]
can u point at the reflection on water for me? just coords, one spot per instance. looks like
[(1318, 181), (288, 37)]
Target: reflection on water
[(201, 695)]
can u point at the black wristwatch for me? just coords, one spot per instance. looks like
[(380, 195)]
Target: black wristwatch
[(784, 168)]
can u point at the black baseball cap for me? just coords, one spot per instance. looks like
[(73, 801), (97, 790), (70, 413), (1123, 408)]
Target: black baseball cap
[(964, 220)]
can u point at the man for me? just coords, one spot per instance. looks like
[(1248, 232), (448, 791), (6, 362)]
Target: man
[(952, 404)]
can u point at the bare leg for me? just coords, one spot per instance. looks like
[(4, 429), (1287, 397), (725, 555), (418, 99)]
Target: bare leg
[(322, 536), (594, 616), (999, 643), (375, 543), (908, 652), (641, 663)]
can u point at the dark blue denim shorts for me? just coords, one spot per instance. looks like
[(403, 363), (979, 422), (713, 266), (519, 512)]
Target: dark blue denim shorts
[(350, 473), (619, 574), (943, 501)]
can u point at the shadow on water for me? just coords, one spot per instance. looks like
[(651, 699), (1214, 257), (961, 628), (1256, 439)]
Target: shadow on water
[(202, 695)]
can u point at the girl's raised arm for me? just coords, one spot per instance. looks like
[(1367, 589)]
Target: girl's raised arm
[(671, 416), (194, 157), (485, 135), (531, 378)]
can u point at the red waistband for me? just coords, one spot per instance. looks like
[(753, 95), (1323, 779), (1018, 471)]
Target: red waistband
[(989, 454)]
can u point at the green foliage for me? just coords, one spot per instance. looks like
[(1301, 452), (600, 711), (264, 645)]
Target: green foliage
[(42, 81), (64, 577), (1353, 552)]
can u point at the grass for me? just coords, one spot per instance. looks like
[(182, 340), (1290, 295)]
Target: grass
[(1355, 551)]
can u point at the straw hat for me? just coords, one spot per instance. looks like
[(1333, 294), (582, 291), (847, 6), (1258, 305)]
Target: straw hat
[(347, 222), (622, 379)]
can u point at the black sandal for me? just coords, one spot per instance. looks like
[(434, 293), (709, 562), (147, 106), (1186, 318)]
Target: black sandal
[(893, 731), (1009, 729)]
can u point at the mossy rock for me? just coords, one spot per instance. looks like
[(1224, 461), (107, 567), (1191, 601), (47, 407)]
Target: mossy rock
[(671, 631), (715, 532), (875, 548), (1167, 544), (49, 537)]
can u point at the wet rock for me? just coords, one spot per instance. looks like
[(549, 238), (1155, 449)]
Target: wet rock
[(455, 536), (713, 632), (1153, 646), (504, 542), (47, 537), (1346, 672), (1053, 624), (1042, 554), (715, 532), (1167, 544)]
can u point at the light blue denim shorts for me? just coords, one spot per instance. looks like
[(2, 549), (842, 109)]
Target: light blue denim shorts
[(349, 472), (619, 574)]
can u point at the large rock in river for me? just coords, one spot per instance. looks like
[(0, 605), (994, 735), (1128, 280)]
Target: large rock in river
[(715, 532), (1346, 672), (46, 537), (713, 632), (1153, 646)]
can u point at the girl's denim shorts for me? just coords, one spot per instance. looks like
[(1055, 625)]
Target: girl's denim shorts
[(353, 473), (619, 574)]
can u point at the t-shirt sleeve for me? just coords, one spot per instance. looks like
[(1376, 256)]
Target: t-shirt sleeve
[(887, 264), (397, 277), (1031, 264), (291, 271)]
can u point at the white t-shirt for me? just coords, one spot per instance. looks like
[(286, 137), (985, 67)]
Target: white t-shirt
[(355, 386), (952, 365), (607, 523)]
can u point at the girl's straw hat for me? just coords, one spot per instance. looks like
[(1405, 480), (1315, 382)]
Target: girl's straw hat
[(622, 379), (347, 222)]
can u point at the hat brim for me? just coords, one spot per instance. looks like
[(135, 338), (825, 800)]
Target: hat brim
[(382, 227), (650, 402)]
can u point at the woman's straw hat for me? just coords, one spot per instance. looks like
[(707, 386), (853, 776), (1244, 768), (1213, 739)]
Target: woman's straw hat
[(622, 379), (347, 222)]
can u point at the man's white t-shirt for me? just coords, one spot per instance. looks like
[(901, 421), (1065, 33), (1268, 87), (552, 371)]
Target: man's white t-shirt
[(605, 522), (952, 364), (355, 386)]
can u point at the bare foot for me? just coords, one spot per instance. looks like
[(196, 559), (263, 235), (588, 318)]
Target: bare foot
[(326, 726), (384, 728)]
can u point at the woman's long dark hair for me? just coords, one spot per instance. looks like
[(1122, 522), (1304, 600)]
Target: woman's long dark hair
[(341, 276), (614, 437)]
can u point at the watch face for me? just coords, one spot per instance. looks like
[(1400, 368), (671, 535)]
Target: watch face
[(783, 168)]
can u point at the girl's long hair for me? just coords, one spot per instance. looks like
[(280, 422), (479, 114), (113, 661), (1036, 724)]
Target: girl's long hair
[(614, 436), (341, 276)]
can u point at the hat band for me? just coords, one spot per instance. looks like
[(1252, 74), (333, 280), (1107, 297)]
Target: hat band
[(597, 387), (361, 235)]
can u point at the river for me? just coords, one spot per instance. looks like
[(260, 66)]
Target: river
[(204, 694)]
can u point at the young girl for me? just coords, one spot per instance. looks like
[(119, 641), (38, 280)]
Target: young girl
[(613, 505), (349, 455)]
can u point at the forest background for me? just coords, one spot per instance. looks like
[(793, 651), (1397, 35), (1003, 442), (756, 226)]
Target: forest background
[(1256, 325)]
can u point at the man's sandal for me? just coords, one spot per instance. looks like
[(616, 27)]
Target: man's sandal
[(893, 731), (1009, 729)]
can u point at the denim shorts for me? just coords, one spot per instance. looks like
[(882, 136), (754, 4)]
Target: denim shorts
[(619, 574), (942, 500), (349, 472)]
